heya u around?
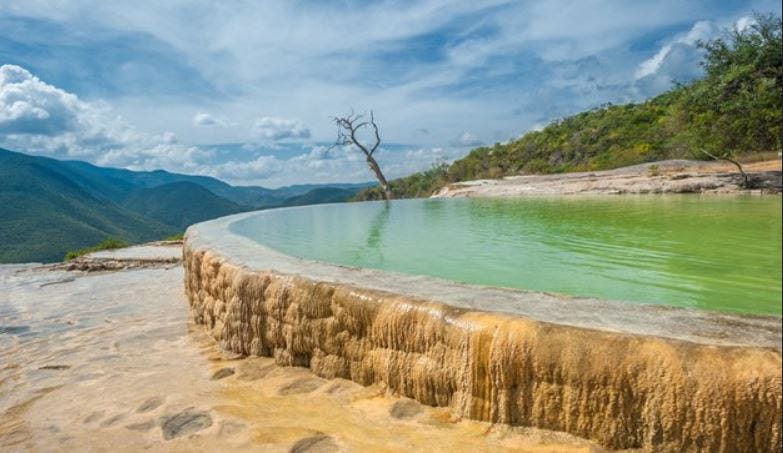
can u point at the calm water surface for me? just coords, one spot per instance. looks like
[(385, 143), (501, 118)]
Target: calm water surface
[(718, 253)]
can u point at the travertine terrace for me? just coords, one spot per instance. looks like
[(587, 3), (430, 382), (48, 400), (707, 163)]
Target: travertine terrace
[(626, 376), (671, 176)]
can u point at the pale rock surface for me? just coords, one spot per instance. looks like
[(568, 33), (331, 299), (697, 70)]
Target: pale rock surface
[(108, 361), (673, 176)]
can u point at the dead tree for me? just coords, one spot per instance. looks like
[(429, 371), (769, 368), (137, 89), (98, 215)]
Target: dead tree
[(745, 184), (347, 129)]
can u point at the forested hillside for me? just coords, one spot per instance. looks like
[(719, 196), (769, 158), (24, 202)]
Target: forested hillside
[(735, 109), (46, 210), (180, 204), (49, 207)]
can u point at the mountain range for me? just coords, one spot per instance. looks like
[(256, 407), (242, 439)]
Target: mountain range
[(49, 206)]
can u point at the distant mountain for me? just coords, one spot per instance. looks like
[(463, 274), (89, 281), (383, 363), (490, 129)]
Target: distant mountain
[(46, 209), (252, 196), (301, 189), (321, 195), (179, 204), (48, 206), (256, 197)]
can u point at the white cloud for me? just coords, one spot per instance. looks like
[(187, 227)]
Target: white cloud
[(328, 165), (30, 109), (494, 65), (701, 31), (266, 54), (744, 23), (261, 168), (272, 128), (207, 120), (677, 60), (38, 118), (467, 139), (29, 106), (651, 65)]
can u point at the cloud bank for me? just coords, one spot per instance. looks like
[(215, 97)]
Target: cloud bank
[(440, 75), (271, 128), (39, 118)]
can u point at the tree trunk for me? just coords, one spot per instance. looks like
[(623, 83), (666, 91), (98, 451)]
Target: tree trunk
[(745, 180), (387, 193)]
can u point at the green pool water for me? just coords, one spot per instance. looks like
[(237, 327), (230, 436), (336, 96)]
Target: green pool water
[(708, 252)]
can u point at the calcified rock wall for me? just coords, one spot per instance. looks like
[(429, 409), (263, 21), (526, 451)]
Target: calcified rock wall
[(623, 391)]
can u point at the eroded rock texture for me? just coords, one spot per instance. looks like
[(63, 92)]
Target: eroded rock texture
[(623, 391)]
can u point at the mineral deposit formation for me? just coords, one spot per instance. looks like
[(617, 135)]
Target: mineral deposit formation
[(621, 389)]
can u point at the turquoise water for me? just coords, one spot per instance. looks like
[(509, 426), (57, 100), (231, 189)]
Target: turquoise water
[(716, 253)]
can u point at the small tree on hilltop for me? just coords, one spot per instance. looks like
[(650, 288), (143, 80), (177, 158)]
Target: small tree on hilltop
[(348, 127)]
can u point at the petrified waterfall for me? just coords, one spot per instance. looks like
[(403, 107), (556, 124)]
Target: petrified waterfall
[(621, 390)]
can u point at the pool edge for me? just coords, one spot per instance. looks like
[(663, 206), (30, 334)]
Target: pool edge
[(621, 389), (694, 325)]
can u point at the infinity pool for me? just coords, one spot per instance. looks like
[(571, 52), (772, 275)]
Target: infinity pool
[(708, 252)]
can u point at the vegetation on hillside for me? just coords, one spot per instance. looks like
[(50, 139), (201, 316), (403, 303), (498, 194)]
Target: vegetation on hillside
[(48, 206), (321, 195), (734, 110), (46, 210), (106, 244), (180, 204)]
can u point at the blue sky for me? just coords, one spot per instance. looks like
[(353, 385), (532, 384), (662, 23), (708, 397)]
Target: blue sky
[(244, 91)]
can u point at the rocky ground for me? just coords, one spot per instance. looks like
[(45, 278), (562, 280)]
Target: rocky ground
[(99, 355), (671, 176)]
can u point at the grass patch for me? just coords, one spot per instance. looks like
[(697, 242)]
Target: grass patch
[(107, 244), (175, 237)]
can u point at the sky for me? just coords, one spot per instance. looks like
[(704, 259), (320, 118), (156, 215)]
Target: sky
[(245, 90)]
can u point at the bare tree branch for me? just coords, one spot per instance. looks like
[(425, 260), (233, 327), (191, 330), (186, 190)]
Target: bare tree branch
[(347, 129), (377, 134)]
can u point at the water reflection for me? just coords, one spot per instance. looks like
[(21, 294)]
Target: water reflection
[(378, 225)]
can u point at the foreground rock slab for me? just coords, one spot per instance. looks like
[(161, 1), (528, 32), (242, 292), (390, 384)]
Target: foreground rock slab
[(672, 176), (108, 361), (154, 254)]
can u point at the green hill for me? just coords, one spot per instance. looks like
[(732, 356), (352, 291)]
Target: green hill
[(180, 204), (321, 195), (129, 180), (48, 206), (45, 210), (735, 109), (117, 183)]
